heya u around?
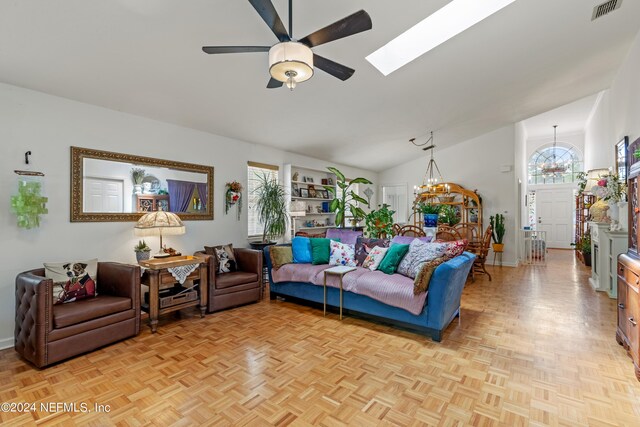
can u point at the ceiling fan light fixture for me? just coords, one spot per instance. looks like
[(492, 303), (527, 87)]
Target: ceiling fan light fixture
[(290, 63)]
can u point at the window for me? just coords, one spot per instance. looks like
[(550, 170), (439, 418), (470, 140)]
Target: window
[(561, 155), (254, 171)]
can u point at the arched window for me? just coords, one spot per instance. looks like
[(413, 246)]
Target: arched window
[(558, 164)]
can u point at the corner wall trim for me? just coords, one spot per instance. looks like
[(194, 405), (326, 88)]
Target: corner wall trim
[(6, 343)]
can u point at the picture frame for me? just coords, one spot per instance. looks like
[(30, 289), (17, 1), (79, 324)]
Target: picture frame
[(622, 159), (329, 181), (295, 191), (308, 179), (304, 193), (324, 181), (325, 194), (312, 192)]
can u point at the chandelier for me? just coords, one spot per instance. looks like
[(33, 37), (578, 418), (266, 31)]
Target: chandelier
[(554, 168), (432, 176)]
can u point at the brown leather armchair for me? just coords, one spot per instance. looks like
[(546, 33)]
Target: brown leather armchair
[(46, 333), (240, 287)]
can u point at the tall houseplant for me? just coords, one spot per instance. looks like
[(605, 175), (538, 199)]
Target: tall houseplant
[(497, 232), (379, 222), (271, 206), (347, 199)]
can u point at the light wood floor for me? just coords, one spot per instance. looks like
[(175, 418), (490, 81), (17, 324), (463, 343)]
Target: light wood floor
[(534, 347)]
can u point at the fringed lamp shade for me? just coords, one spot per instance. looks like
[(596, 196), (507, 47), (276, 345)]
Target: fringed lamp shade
[(159, 223)]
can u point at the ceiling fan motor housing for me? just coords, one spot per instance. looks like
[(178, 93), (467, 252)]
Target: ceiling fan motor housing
[(290, 60)]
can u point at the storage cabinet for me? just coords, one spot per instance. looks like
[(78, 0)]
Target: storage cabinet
[(628, 332), (151, 202), (583, 203)]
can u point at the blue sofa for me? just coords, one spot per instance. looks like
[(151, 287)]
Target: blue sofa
[(441, 307)]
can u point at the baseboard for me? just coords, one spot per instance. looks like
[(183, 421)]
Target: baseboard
[(504, 264), (6, 343)]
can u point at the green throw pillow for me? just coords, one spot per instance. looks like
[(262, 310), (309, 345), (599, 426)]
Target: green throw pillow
[(321, 250), (394, 255)]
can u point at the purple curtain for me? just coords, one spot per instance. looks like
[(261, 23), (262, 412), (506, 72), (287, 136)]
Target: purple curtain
[(202, 191), (180, 193)]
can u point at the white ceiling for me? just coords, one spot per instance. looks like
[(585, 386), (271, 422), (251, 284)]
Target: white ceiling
[(570, 118), (144, 57)]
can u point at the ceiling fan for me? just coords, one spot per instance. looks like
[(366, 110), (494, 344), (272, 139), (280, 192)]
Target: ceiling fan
[(291, 61)]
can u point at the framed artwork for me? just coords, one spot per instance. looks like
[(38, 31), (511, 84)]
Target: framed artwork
[(304, 192), (329, 181), (325, 194), (324, 181), (312, 191), (308, 179), (622, 163), (295, 191)]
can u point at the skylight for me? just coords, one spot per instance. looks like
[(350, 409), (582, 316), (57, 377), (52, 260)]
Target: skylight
[(448, 22)]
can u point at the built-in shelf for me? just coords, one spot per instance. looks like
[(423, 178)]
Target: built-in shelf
[(311, 198), (317, 228), (318, 213)]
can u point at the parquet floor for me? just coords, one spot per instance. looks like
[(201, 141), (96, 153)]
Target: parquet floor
[(534, 347)]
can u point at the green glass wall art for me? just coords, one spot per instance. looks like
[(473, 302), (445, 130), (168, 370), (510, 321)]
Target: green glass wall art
[(29, 204)]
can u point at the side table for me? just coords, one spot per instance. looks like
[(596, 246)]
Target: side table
[(157, 276), (338, 271)]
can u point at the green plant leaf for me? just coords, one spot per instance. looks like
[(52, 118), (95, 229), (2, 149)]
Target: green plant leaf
[(337, 173), (360, 180), (334, 205), (339, 218), (357, 198), (330, 189)]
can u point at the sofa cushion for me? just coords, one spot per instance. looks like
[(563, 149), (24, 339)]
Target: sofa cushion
[(342, 254), (72, 280), (301, 247), (406, 240), (320, 251), (392, 289), (349, 237), (419, 253), (304, 273), (394, 255), (235, 278), (280, 255), (88, 309), (364, 245)]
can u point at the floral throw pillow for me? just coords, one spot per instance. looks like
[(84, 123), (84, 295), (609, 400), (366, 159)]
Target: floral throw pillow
[(455, 248), (73, 280), (364, 246), (342, 254), (419, 253), (373, 260)]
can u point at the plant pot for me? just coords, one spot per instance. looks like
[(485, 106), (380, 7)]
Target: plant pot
[(143, 256), (498, 247), (233, 197), (430, 220), (587, 258), (137, 189)]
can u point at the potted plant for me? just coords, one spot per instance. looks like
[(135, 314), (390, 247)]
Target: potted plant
[(449, 215), (142, 250), (137, 176), (379, 222), (585, 247), (497, 232), (233, 196), (347, 199), (271, 206), (430, 213)]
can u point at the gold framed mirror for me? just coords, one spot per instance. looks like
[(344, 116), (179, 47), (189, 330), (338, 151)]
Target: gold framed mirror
[(112, 187)]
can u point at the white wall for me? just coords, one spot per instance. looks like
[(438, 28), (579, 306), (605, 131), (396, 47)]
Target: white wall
[(49, 125), (474, 164), (617, 114)]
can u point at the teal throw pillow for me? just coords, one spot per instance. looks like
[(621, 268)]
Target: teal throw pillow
[(321, 250), (392, 259)]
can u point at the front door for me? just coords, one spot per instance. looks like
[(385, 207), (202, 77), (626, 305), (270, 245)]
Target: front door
[(555, 217), (103, 195)]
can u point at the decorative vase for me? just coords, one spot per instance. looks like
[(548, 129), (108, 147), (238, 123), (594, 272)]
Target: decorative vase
[(623, 215), (146, 187), (143, 256), (137, 189), (498, 247), (233, 197), (430, 220)]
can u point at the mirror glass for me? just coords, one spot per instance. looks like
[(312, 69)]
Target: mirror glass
[(119, 187)]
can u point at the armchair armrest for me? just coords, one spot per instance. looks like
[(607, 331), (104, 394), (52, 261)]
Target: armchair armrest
[(33, 316), (212, 267), (121, 280), (249, 260)]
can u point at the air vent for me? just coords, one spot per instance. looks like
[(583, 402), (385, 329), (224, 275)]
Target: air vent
[(605, 8)]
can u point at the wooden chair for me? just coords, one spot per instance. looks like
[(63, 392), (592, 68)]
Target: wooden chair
[(447, 234), (395, 230), (468, 230), (481, 253), (412, 231)]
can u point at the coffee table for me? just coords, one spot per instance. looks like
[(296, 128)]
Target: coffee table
[(338, 271)]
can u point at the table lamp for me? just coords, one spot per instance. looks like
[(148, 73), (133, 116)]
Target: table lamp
[(159, 223)]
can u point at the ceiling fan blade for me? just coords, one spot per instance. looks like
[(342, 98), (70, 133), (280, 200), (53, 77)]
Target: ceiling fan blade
[(336, 70), (268, 13), (234, 49), (352, 24), (273, 84)]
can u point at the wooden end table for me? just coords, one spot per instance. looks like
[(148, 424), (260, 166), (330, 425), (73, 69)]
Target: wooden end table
[(338, 271), (157, 276)]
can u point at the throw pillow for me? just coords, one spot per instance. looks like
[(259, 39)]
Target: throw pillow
[(72, 281), (375, 257), (423, 277), (342, 254), (280, 255), (394, 255), (225, 257), (420, 252), (364, 246), (455, 248), (301, 247), (406, 240), (320, 251)]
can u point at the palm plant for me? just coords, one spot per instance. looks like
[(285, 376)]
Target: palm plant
[(271, 206), (347, 197)]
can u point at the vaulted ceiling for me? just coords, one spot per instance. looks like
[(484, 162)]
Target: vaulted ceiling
[(144, 57)]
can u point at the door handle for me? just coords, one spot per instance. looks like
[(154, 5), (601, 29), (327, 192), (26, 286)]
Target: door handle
[(621, 306), (633, 322)]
